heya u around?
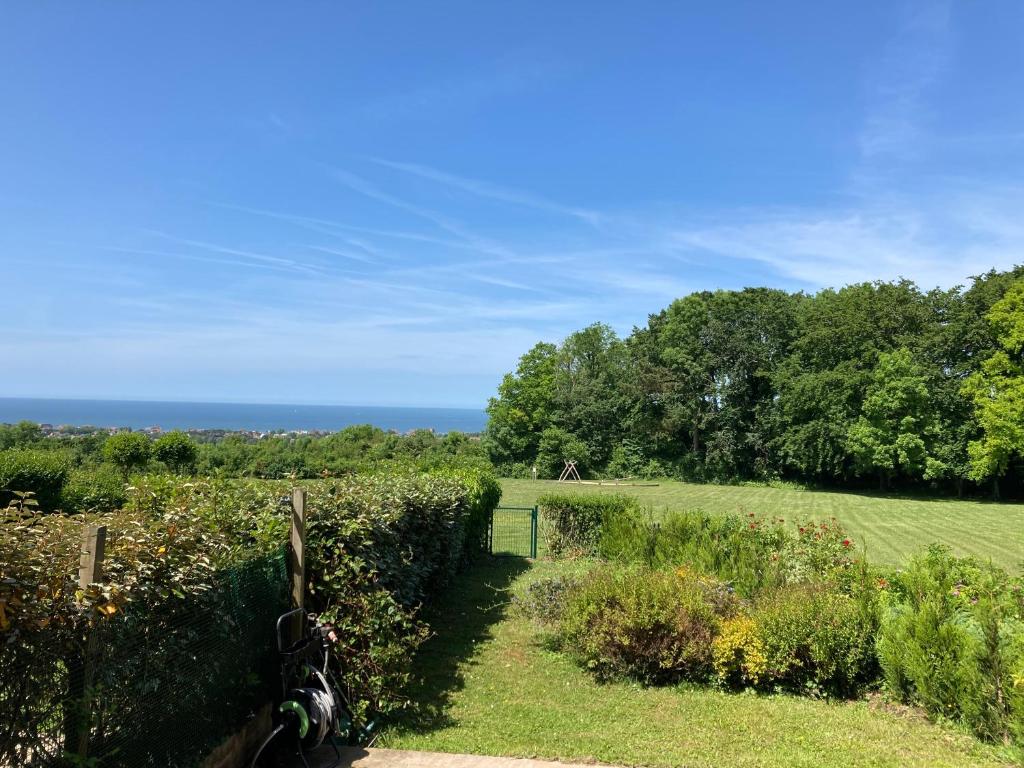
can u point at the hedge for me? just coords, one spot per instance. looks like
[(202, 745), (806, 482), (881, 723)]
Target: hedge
[(571, 523), (37, 472), (378, 547)]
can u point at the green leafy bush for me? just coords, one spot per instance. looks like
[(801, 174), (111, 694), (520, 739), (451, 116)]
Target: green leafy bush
[(130, 451), (750, 553), (655, 626), (814, 638), (177, 451), (571, 523), (39, 472), (377, 548), (98, 489)]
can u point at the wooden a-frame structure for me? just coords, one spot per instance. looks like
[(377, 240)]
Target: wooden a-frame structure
[(570, 473)]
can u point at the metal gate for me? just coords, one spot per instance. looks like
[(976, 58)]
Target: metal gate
[(513, 531)]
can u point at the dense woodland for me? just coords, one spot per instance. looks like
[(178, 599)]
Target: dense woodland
[(876, 383)]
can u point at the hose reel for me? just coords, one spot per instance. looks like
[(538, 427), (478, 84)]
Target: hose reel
[(313, 710)]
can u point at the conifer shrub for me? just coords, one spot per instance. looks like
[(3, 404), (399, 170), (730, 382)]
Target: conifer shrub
[(952, 642)]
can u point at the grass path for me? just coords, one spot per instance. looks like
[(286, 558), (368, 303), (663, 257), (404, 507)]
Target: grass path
[(890, 527), (492, 687)]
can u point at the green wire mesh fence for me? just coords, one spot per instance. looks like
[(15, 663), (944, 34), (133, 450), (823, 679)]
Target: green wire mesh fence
[(164, 685), (513, 531)]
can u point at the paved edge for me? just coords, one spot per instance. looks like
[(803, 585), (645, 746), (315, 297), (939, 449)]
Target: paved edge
[(355, 757)]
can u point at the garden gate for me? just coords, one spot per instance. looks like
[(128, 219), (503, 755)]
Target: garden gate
[(513, 531)]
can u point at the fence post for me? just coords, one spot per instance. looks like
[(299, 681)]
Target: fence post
[(297, 554), (90, 571), (533, 533)]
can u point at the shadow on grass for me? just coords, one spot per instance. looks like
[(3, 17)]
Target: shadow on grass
[(460, 621)]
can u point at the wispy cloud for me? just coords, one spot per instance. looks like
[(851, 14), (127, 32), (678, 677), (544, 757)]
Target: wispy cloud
[(897, 85), (491, 191), (247, 255)]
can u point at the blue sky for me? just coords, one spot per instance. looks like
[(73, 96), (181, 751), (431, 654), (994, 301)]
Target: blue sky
[(387, 203)]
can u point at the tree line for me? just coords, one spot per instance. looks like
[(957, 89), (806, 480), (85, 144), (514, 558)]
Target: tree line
[(879, 383), (96, 453)]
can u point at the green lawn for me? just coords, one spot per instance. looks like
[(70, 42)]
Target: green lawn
[(890, 527), (491, 686)]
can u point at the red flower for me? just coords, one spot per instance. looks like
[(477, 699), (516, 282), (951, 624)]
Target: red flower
[(846, 542), (801, 530), (753, 526)]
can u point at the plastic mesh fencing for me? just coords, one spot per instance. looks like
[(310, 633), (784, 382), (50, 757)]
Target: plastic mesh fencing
[(164, 686)]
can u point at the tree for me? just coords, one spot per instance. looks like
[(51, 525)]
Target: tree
[(997, 392), (558, 446), (821, 387), (24, 434), (704, 378), (588, 398), (177, 450), (522, 409), (128, 451), (896, 423)]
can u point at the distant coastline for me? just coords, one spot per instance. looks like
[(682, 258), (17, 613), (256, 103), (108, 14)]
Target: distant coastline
[(138, 414)]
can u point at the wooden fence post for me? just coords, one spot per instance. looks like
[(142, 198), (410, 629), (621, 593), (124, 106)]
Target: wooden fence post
[(297, 555), (90, 571)]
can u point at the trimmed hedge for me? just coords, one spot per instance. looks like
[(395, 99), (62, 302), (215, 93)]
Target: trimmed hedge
[(378, 547), (572, 523), (41, 473)]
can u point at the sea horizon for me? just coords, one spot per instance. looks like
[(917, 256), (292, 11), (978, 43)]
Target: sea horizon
[(258, 417)]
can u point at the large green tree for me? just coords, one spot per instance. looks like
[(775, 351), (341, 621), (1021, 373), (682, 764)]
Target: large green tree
[(522, 408), (840, 336), (997, 392), (895, 429), (589, 396)]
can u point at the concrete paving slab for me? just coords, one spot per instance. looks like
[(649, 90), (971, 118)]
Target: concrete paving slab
[(357, 757)]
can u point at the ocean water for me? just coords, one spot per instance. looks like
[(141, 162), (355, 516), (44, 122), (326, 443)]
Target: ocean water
[(235, 416)]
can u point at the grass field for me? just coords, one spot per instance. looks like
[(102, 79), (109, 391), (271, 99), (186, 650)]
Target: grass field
[(889, 527), (491, 686)]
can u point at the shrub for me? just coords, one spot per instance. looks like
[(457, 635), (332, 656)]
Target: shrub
[(738, 653), (555, 446), (571, 523), (128, 450), (378, 547), (952, 639), (177, 450), (484, 494), (654, 626), (39, 472), (814, 638), (545, 600), (749, 553), (99, 489)]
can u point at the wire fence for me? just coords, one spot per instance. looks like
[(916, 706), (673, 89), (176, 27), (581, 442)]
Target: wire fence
[(156, 686), (513, 531)]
